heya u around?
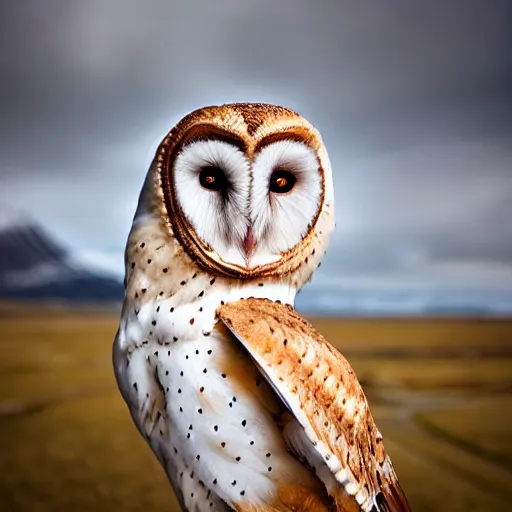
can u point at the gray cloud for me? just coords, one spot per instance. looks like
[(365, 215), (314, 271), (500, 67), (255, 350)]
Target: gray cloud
[(414, 102)]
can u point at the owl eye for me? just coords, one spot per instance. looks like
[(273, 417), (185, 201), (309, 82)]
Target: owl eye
[(213, 178), (282, 182)]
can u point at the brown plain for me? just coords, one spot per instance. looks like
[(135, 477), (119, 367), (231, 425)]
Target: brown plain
[(440, 391)]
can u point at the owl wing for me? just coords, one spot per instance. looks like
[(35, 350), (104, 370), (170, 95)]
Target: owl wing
[(321, 390)]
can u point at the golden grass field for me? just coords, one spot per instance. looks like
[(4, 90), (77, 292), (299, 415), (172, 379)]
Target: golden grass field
[(440, 390)]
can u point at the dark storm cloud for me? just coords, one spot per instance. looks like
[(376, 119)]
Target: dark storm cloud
[(414, 101)]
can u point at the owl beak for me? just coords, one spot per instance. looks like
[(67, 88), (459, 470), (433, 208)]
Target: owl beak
[(249, 243)]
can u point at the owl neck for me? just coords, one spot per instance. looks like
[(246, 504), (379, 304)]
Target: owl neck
[(274, 290), (190, 312)]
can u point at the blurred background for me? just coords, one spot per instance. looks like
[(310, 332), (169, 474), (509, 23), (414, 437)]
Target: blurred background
[(414, 102)]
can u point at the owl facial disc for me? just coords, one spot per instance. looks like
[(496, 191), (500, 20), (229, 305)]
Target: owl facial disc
[(244, 189)]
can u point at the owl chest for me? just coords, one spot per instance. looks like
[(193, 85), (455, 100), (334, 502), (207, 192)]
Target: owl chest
[(217, 423), (210, 387)]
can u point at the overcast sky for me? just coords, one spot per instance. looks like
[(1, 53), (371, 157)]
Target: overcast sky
[(414, 101)]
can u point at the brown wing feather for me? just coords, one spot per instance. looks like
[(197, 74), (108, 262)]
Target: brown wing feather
[(322, 391)]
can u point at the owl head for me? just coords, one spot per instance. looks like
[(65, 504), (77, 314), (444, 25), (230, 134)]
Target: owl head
[(240, 191)]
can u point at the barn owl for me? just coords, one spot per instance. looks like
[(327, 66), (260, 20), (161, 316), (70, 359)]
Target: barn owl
[(244, 404)]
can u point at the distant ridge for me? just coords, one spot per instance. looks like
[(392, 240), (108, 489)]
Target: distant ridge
[(426, 303), (34, 266)]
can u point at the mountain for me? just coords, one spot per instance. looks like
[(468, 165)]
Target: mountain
[(34, 266), (424, 302)]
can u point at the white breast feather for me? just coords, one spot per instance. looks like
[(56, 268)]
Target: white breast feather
[(169, 375)]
